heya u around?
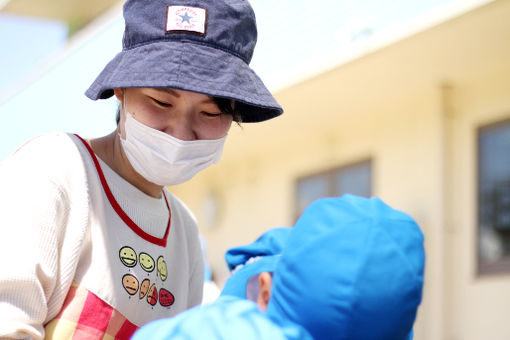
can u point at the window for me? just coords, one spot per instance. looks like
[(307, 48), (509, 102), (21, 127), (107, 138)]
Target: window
[(353, 179), (494, 198)]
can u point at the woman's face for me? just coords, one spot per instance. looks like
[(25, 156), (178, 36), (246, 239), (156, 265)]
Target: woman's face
[(183, 114)]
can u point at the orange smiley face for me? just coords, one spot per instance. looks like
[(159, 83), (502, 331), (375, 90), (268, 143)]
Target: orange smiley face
[(130, 284), (152, 295), (144, 288)]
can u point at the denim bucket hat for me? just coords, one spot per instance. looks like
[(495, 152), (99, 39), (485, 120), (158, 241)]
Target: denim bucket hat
[(200, 46), (352, 269), (253, 258)]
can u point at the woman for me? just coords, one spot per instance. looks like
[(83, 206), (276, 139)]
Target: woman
[(94, 243)]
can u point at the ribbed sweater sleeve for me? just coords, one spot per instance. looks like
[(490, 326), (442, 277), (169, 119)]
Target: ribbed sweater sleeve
[(194, 251), (196, 284), (43, 218)]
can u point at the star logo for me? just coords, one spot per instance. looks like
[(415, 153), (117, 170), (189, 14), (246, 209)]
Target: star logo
[(185, 18)]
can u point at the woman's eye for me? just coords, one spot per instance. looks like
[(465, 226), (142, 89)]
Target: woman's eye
[(160, 103), (211, 115)]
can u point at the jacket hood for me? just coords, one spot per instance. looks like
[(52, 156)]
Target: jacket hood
[(352, 269)]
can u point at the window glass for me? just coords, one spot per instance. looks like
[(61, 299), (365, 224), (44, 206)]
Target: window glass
[(353, 179), (494, 198), (309, 189)]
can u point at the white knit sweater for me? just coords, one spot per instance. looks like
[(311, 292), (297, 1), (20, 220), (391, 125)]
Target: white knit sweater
[(57, 225)]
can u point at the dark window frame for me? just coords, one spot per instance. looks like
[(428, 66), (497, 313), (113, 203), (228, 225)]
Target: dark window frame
[(501, 266)]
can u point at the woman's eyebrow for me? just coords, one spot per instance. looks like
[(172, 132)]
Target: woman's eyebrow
[(172, 92), (169, 91), (208, 100)]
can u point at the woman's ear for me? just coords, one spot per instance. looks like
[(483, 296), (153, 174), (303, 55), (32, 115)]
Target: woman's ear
[(119, 94), (265, 283)]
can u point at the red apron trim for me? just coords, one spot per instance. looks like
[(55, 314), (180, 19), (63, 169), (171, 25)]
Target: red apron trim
[(122, 214)]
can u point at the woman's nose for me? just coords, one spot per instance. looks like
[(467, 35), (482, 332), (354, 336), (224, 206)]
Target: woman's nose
[(180, 126)]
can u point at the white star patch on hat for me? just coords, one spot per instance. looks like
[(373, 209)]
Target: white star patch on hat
[(186, 19)]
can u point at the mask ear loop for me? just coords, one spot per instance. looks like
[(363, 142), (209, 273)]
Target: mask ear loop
[(123, 112), (123, 106)]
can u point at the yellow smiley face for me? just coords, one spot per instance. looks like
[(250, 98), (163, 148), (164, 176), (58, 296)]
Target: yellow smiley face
[(127, 256), (162, 268), (147, 262)]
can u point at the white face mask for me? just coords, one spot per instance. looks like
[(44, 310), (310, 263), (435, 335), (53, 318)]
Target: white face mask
[(163, 159)]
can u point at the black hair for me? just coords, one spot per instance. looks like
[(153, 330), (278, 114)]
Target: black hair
[(117, 115), (229, 106)]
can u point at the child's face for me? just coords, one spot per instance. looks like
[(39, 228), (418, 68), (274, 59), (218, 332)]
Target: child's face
[(183, 114)]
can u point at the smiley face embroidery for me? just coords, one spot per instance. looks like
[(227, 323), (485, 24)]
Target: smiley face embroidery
[(162, 268), (152, 295), (130, 284), (127, 256), (166, 298), (147, 262), (144, 288)]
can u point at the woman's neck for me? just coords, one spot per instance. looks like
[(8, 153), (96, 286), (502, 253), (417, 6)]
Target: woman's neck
[(109, 149)]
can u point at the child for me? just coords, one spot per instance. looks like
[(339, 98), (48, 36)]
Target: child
[(350, 269), (228, 318), (95, 245)]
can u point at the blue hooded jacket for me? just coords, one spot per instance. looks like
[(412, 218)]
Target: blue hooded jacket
[(352, 269), (228, 318), (254, 258)]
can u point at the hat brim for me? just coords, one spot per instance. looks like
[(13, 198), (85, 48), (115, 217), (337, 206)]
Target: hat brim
[(192, 67)]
